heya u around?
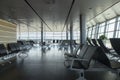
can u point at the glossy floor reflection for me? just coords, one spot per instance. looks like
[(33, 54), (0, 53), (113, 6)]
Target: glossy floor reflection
[(47, 65)]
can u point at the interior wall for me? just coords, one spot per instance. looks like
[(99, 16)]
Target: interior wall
[(7, 32)]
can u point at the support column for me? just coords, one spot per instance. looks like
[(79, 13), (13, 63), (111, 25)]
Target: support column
[(41, 33), (67, 31), (82, 29), (19, 32), (97, 31), (61, 36), (28, 31), (115, 28), (36, 35), (105, 27), (71, 36)]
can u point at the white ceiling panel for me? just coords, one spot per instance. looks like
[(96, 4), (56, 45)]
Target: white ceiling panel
[(116, 8), (108, 13)]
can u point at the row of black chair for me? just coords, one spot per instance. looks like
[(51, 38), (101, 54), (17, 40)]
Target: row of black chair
[(65, 44), (78, 56), (115, 42), (13, 48), (8, 53), (87, 54), (98, 42), (74, 54)]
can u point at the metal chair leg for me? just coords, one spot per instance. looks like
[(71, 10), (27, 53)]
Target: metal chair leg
[(81, 76), (118, 73)]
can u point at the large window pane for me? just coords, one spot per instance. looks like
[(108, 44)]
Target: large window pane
[(89, 32), (109, 34), (93, 32), (101, 29), (118, 29), (111, 27)]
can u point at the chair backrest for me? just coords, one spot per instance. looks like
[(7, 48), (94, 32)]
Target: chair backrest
[(89, 42), (76, 50), (3, 50), (89, 54), (83, 50), (102, 58), (74, 42), (103, 46), (94, 42), (21, 47), (115, 42), (24, 42), (11, 47), (53, 41), (20, 42), (17, 46)]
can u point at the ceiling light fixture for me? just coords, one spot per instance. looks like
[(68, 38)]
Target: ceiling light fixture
[(49, 1), (90, 8)]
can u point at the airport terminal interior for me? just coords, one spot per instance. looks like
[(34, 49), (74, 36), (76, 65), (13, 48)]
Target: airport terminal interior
[(59, 39)]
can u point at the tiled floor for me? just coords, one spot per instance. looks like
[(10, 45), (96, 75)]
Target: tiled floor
[(47, 65)]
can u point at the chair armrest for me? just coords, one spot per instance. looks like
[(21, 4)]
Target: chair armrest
[(79, 59), (66, 53), (76, 59)]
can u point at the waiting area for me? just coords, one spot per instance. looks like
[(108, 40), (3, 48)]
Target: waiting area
[(25, 60), (59, 40)]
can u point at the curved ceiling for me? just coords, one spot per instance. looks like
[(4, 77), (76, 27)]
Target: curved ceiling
[(98, 11)]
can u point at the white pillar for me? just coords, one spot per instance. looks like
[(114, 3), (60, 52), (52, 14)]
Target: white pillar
[(82, 29)]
